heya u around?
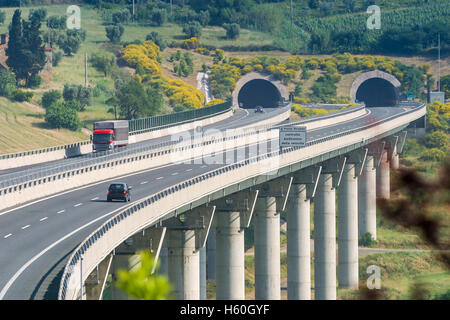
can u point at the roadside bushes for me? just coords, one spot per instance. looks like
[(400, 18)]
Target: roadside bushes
[(50, 97), (60, 115)]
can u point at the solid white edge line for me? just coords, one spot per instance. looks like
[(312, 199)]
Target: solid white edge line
[(26, 265)]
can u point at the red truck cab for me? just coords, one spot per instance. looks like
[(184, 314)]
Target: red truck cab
[(109, 135)]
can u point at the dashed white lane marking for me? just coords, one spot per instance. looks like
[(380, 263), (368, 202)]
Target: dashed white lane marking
[(61, 211), (203, 166), (43, 219), (144, 182), (78, 204), (24, 227), (8, 235), (159, 178), (96, 198), (188, 170), (175, 173)]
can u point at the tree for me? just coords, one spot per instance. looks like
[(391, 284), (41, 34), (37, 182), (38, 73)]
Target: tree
[(60, 116), (445, 85), (141, 284), (70, 42), (298, 89), (233, 30), (132, 100), (2, 16), (40, 14), (157, 39), (437, 139), (114, 33), (204, 17), (159, 16), (350, 5), (77, 93), (26, 54), (7, 83), (49, 98), (122, 16), (193, 29), (104, 63), (56, 22)]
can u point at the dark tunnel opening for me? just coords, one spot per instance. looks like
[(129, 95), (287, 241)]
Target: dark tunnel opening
[(259, 92), (377, 92)]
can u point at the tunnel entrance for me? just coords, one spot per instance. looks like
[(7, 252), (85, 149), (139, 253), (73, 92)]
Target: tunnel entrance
[(377, 92), (259, 92)]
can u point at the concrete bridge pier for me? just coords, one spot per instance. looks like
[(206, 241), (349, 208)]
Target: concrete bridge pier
[(233, 215), (185, 239), (383, 176), (348, 229), (211, 253), (325, 229), (163, 265), (299, 234), (367, 213), (126, 255), (267, 238), (203, 273), (184, 264)]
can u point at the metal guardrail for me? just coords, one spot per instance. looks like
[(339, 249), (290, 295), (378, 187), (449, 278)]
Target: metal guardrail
[(43, 150), (139, 126), (12, 179), (81, 249)]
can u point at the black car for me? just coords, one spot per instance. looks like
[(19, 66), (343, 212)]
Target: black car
[(119, 191), (259, 109)]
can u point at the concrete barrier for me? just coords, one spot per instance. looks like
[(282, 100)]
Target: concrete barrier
[(157, 207)]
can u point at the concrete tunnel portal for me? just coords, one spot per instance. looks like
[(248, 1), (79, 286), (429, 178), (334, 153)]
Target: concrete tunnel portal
[(258, 92), (259, 89), (376, 89)]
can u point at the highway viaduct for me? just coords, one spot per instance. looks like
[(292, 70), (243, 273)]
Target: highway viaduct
[(208, 211)]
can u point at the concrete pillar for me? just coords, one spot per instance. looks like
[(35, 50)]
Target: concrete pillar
[(325, 239), (230, 266), (348, 229), (163, 267), (183, 264), (395, 161), (367, 212), (383, 177), (211, 253), (202, 273), (122, 261), (267, 249), (299, 244)]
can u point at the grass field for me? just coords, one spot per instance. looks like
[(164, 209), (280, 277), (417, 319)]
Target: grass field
[(23, 128)]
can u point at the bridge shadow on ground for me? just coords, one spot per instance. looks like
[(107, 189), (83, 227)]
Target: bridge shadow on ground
[(48, 287)]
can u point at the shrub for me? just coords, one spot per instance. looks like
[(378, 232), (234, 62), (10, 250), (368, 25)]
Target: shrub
[(437, 139), (192, 43), (193, 29), (50, 97), (157, 39), (2, 16), (103, 63), (114, 33), (367, 240), (233, 30), (159, 16), (56, 22), (57, 56), (34, 81), (122, 16), (60, 116), (7, 83), (21, 96), (433, 154)]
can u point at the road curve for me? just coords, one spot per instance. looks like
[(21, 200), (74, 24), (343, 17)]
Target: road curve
[(36, 240)]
